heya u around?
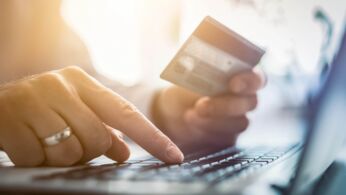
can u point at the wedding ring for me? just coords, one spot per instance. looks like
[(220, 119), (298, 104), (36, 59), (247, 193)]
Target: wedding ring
[(58, 137)]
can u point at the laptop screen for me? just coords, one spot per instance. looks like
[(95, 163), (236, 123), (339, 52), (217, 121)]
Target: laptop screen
[(327, 129)]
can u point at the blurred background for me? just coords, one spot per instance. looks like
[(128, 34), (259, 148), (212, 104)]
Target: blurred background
[(133, 40)]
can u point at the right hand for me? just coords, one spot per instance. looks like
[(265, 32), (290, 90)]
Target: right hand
[(40, 106)]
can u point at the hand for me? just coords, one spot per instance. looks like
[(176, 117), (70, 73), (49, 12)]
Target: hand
[(195, 121), (38, 107)]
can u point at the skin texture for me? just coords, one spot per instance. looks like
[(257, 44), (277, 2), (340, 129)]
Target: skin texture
[(42, 105), (193, 121)]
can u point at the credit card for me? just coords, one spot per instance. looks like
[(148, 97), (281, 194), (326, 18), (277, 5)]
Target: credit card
[(210, 57)]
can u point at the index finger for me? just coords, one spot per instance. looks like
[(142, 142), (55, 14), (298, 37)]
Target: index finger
[(118, 113)]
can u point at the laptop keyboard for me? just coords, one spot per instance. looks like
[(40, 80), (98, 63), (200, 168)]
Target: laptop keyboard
[(210, 167)]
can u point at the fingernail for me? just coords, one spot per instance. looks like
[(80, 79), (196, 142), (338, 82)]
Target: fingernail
[(239, 87), (174, 154)]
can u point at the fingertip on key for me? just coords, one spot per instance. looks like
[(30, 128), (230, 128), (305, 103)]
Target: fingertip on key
[(174, 155)]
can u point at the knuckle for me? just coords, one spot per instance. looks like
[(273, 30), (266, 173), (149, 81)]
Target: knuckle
[(48, 77), (128, 109), (51, 80), (55, 84), (158, 137), (73, 71)]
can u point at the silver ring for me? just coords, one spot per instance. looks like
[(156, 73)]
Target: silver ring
[(58, 137)]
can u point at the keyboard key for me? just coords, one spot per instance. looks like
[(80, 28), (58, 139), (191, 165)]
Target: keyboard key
[(264, 159), (209, 167), (232, 164)]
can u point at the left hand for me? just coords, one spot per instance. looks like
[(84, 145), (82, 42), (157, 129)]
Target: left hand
[(192, 120)]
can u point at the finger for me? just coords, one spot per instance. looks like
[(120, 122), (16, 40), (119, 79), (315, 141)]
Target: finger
[(217, 126), (120, 114), (213, 135), (91, 132), (119, 151), (66, 153), (87, 128), (22, 145), (46, 123), (225, 106), (95, 139), (248, 82), (129, 120)]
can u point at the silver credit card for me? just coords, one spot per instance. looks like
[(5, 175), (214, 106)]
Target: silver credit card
[(209, 58)]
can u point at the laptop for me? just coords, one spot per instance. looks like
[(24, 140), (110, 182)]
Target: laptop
[(290, 169)]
